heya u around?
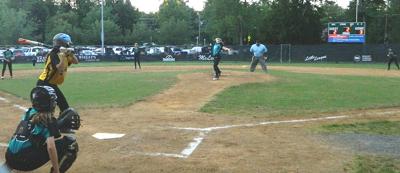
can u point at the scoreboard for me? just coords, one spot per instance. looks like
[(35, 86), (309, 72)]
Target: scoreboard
[(346, 32)]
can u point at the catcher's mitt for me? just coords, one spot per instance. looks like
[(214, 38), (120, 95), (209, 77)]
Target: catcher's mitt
[(69, 119)]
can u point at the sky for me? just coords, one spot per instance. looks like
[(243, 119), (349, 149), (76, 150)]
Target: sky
[(148, 6)]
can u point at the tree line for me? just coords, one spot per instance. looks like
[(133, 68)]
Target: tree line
[(238, 22)]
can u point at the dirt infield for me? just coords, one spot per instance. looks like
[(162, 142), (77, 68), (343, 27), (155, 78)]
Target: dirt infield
[(151, 129)]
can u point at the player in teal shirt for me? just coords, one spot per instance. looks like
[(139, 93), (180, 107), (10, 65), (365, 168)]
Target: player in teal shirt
[(7, 61), (37, 139), (216, 49)]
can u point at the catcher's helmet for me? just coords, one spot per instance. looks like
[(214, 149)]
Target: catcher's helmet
[(62, 39), (43, 98)]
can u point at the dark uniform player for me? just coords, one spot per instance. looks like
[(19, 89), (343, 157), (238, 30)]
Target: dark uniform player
[(392, 58), (216, 49), (136, 54), (56, 65), (37, 139), (8, 58)]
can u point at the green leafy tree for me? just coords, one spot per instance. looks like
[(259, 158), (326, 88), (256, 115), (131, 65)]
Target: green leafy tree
[(394, 21), (126, 15), (13, 25), (224, 18), (63, 23), (295, 22), (373, 13), (176, 22)]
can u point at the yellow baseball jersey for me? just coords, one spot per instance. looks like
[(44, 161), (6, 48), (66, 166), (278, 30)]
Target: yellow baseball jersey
[(50, 72)]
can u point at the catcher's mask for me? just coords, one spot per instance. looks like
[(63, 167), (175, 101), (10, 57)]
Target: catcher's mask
[(43, 98)]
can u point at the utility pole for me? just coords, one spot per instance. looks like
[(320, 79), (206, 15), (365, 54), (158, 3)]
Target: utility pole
[(198, 37), (102, 27), (357, 4)]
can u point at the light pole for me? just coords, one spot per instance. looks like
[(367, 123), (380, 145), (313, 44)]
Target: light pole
[(102, 27), (357, 4), (198, 37)]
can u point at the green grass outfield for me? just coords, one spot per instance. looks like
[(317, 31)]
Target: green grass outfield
[(290, 94)]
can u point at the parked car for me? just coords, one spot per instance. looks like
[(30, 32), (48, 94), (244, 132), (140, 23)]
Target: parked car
[(189, 51), (153, 51), (118, 50), (18, 52), (33, 51), (87, 53), (1, 52), (178, 51), (98, 51), (197, 49)]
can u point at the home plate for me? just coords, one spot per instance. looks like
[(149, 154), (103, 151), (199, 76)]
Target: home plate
[(103, 136)]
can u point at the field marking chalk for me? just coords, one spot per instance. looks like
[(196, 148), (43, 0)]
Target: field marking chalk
[(160, 154), (15, 105), (209, 129), (4, 100), (103, 136), (21, 107), (194, 144), (3, 145)]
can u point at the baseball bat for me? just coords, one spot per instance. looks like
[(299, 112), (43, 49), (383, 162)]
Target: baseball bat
[(31, 42)]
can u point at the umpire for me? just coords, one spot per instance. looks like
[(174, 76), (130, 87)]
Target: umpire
[(392, 58), (258, 51)]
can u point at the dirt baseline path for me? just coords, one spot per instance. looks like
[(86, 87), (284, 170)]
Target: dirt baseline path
[(147, 125)]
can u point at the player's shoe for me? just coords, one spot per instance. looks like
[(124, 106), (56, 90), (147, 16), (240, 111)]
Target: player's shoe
[(215, 78), (2, 78)]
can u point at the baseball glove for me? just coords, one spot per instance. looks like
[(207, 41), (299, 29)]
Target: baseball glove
[(69, 119)]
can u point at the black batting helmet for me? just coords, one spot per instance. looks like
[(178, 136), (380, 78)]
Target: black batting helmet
[(43, 98)]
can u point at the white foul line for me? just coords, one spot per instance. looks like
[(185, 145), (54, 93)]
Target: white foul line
[(262, 123), (15, 105)]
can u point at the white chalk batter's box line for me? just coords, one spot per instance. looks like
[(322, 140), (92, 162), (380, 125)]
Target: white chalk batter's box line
[(196, 141)]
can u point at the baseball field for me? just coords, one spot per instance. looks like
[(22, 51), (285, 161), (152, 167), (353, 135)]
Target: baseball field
[(175, 118)]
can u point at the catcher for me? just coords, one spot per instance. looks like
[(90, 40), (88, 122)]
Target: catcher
[(38, 140), (258, 51)]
